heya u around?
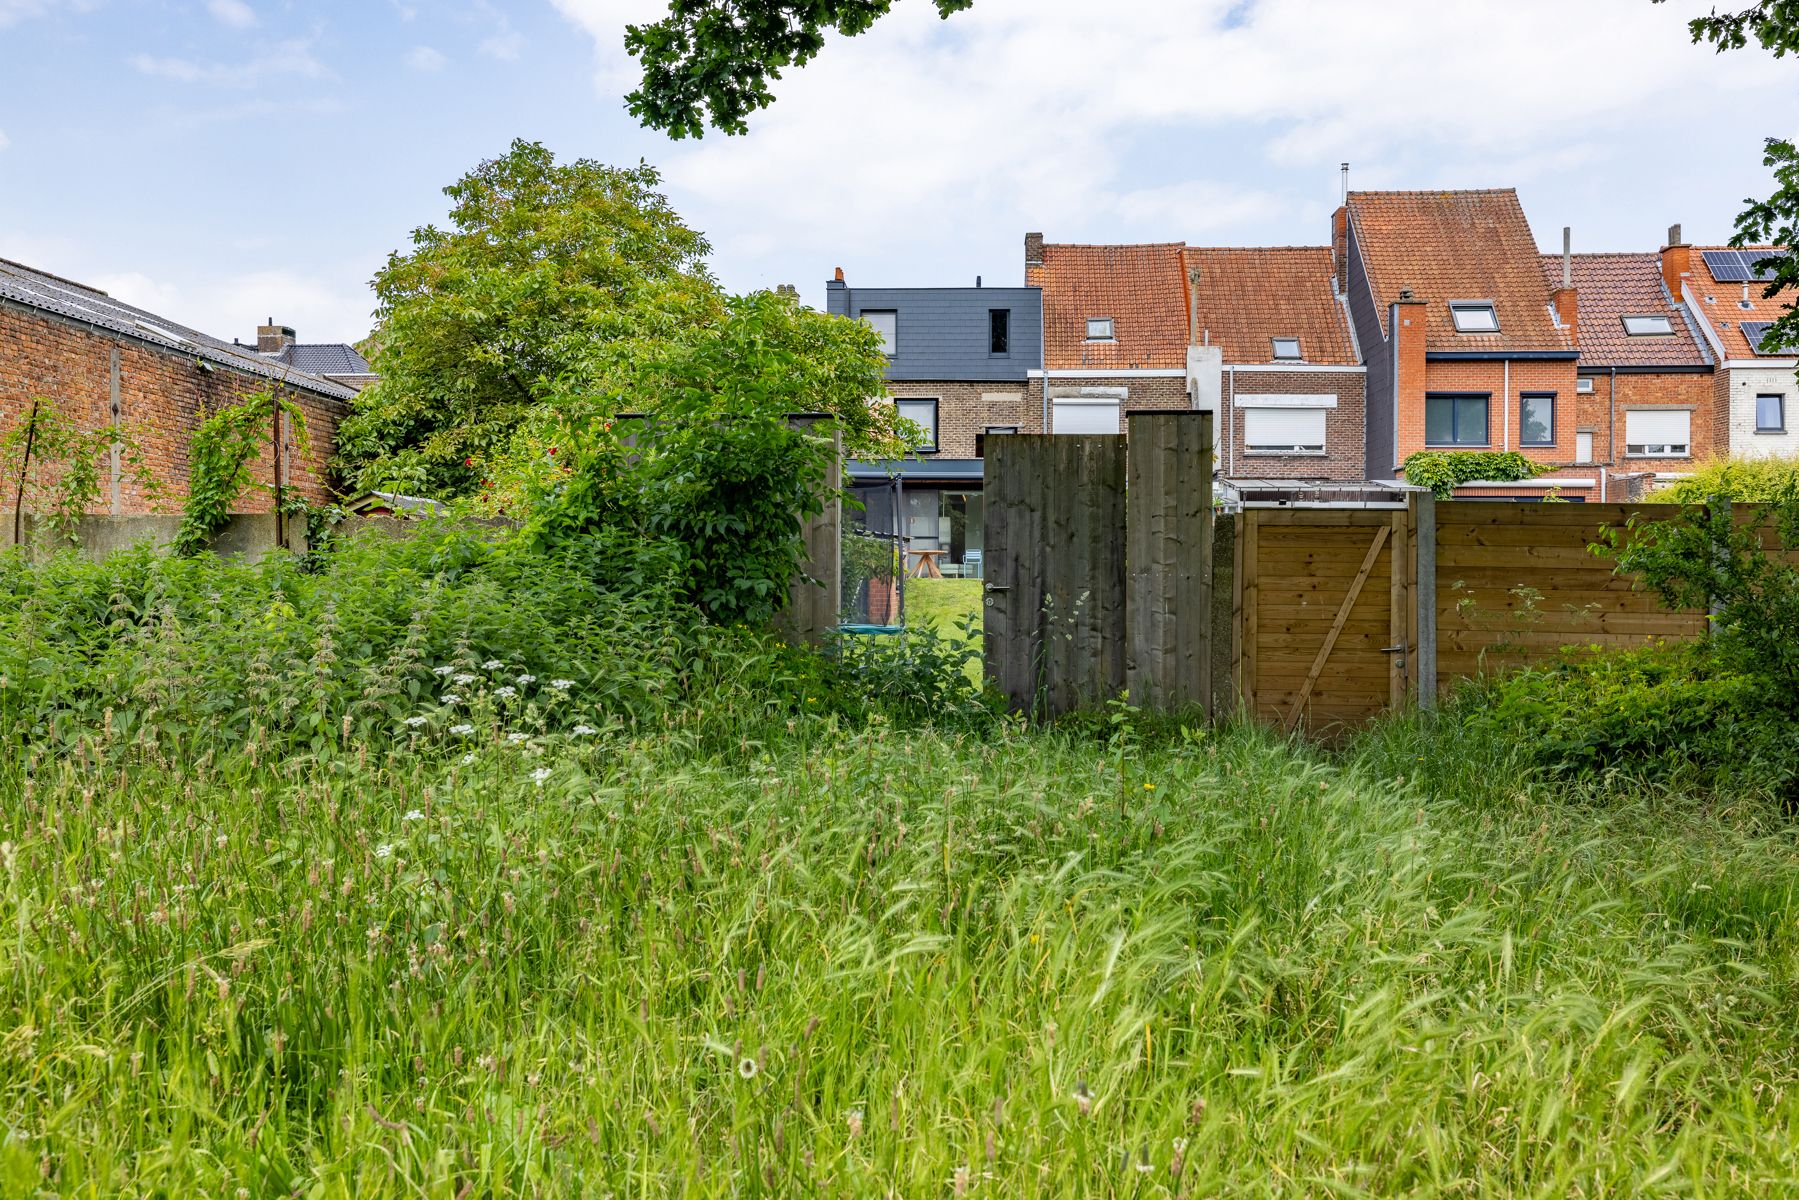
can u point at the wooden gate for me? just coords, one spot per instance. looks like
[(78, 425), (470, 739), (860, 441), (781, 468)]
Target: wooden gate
[(1325, 620), (1054, 590)]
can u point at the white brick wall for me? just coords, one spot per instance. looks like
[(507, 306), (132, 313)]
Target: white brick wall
[(1746, 383)]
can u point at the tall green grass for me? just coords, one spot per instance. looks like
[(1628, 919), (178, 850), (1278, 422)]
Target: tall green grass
[(867, 963)]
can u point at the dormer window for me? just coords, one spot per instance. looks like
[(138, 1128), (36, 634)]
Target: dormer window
[(1286, 349), (1099, 329), (1474, 317), (1648, 326)]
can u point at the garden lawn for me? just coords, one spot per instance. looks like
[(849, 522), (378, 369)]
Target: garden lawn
[(876, 964)]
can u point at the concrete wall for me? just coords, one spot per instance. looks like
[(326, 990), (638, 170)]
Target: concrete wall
[(250, 535)]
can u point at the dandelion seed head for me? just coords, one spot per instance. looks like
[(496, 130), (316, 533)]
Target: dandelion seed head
[(746, 1067)]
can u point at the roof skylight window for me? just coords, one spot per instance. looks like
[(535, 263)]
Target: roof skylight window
[(1648, 325), (1099, 329), (1286, 348), (1474, 317)]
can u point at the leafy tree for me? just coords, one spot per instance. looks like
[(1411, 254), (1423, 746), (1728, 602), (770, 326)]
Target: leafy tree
[(1774, 25), (710, 61), (541, 264)]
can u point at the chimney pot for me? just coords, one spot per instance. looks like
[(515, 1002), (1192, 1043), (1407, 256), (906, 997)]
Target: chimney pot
[(839, 275), (1674, 235)]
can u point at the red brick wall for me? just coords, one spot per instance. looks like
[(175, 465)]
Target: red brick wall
[(1694, 391), (1502, 412), (162, 395), (1345, 426)]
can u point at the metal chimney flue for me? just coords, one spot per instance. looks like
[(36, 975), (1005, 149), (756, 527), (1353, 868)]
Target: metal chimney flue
[(1567, 256)]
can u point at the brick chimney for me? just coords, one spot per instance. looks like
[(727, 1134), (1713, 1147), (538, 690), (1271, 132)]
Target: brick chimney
[(1565, 298), (273, 338), (1677, 261), (1033, 260), (1406, 320)]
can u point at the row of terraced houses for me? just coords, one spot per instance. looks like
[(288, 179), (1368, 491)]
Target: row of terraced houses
[(1430, 320)]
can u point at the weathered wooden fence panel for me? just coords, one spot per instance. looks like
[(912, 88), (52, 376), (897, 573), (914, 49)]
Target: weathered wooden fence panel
[(1168, 557), (1055, 570)]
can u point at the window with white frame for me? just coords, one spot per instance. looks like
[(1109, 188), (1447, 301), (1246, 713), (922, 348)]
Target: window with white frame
[(1648, 325), (922, 413), (886, 323), (1583, 446), (1658, 433), (1472, 316), (1584, 385), (1283, 430), (1099, 329)]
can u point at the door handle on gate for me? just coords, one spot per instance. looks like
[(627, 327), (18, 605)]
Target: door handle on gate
[(995, 587), (1392, 649)]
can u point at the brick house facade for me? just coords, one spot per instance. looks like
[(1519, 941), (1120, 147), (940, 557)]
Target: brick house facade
[(107, 362), (1755, 392)]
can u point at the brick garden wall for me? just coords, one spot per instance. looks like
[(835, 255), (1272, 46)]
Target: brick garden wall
[(163, 395)]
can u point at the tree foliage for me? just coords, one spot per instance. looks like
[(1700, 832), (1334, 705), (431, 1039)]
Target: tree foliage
[(51, 465), (1773, 25), (711, 61), (541, 266), (561, 296)]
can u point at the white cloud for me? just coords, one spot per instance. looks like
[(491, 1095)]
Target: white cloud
[(234, 13), (504, 43), (290, 59), (4, 140), (424, 58), (1172, 119), (14, 11), (228, 306)]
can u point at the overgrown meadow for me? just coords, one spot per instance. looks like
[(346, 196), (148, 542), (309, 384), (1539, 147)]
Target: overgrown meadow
[(450, 873)]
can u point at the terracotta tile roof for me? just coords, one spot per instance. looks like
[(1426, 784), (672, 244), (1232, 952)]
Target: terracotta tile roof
[(1143, 289), (1610, 287), (1721, 303), (1248, 297), (1458, 245)]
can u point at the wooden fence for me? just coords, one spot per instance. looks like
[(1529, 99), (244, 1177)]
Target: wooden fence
[(1340, 614)]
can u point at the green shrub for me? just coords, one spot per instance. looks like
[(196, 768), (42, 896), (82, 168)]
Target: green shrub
[(1442, 471), (1746, 481)]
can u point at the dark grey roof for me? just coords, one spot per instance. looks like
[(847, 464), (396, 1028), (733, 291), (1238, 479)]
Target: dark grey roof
[(324, 358), (934, 470), (48, 293)]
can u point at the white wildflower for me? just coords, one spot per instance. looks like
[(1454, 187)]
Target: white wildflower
[(443, 670), (462, 730), (493, 664), (539, 775), (413, 815), (384, 850), (468, 760), (505, 693), (526, 680), (584, 731), (463, 680), (220, 841), (517, 738), (562, 685), (415, 722), (451, 698)]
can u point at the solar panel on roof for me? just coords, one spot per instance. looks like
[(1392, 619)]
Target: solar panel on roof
[(1757, 332), (1738, 266)]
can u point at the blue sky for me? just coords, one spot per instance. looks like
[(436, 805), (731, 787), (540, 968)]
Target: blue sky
[(224, 161)]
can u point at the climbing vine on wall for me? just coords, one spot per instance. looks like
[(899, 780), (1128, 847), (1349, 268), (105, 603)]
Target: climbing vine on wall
[(220, 455), (50, 465), (1442, 471)]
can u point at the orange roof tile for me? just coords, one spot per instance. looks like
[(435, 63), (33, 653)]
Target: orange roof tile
[(1143, 289), (1610, 287), (1723, 303), (1248, 297), (1458, 245)]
